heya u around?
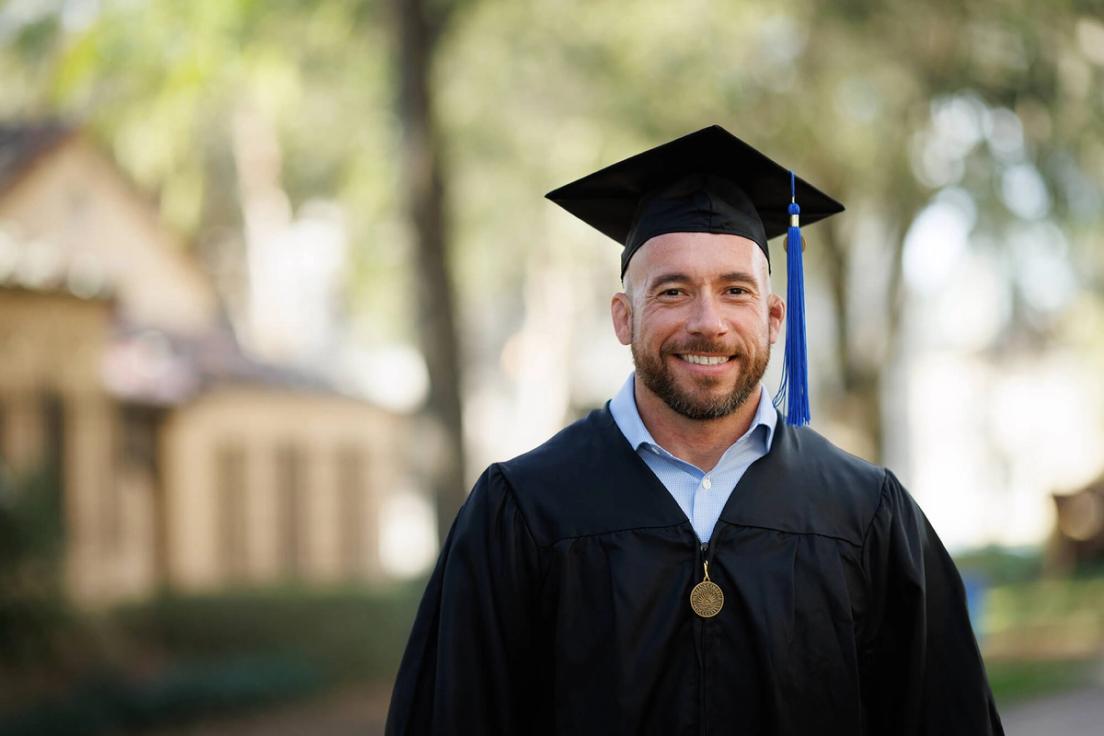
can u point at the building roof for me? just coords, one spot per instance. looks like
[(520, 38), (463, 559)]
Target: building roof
[(22, 143), (145, 363), (155, 367)]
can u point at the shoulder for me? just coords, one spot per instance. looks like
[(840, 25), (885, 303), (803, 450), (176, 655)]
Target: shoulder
[(812, 486), (817, 457), (849, 489), (585, 480), (560, 457)]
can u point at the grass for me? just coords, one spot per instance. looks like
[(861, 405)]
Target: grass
[(1043, 636), (345, 633), (183, 657), (1015, 682), (178, 658)]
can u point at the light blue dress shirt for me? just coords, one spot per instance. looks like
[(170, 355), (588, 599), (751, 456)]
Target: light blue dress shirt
[(701, 494)]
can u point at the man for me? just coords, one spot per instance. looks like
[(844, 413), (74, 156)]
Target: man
[(682, 561)]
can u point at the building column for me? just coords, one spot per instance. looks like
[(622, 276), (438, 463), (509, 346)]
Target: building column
[(24, 433), (87, 496), (262, 515)]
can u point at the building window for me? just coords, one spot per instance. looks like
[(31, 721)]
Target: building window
[(135, 457), (3, 434), (290, 497), (230, 490), (138, 445), (53, 420), (350, 508), (5, 449)]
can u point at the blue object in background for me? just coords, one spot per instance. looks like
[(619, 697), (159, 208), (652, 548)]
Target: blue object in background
[(977, 587)]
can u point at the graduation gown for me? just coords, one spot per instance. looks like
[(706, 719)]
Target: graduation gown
[(560, 604)]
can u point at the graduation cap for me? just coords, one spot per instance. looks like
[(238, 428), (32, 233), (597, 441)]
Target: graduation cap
[(710, 181)]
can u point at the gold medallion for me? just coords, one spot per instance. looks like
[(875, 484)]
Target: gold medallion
[(706, 598)]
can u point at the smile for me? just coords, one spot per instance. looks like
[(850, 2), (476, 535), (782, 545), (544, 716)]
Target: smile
[(705, 359)]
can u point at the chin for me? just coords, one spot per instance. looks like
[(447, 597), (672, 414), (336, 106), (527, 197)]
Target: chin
[(710, 385)]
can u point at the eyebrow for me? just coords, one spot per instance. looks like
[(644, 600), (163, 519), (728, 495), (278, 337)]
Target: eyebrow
[(668, 278), (742, 276), (681, 278)]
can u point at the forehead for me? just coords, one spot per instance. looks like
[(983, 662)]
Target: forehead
[(699, 256)]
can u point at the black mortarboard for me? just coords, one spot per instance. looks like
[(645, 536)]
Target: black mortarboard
[(707, 181), (710, 181)]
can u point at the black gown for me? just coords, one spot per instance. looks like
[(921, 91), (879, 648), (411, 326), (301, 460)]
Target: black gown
[(560, 604)]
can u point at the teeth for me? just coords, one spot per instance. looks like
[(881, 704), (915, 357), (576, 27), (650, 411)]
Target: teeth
[(704, 359)]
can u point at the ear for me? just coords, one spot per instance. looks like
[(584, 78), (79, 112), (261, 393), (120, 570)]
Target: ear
[(776, 312), (621, 312)]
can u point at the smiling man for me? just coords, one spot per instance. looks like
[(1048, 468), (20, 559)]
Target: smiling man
[(699, 316), (686, 560)]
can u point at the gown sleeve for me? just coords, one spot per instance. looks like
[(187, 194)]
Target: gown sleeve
[(922, 671), (468, 666)]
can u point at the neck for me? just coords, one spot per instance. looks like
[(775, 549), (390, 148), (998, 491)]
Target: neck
[(697, 441)]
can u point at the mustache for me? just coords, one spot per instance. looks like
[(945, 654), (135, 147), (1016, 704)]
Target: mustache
[(704, 346)]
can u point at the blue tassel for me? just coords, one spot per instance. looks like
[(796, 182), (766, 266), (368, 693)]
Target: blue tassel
[(795, 366)]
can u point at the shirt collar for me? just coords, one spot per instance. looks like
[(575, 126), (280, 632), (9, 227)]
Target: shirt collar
[(625, 414)]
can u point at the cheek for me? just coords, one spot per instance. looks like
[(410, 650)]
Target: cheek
[(653, 326)]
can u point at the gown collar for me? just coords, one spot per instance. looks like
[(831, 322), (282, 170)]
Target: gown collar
[(627, 417), (766, 475)]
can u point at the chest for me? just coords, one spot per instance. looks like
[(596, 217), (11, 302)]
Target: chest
[(619, 613)]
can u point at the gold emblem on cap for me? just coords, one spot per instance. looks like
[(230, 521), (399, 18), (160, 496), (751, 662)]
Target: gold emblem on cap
[(707, 598)]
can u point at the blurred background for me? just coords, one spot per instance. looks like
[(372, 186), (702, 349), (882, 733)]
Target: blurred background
[(277, 281)]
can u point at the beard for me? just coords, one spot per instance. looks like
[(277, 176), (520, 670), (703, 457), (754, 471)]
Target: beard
[(699, 403)]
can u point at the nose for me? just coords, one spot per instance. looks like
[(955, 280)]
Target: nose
[(706, 318)]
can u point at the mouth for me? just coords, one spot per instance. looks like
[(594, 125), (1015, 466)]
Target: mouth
[(704, 359)]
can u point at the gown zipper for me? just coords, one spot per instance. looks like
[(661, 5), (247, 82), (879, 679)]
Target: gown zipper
[(705, 555), (699, 641)]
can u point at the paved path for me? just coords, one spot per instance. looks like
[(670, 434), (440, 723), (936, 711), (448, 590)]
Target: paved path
[(357, 711), (360, 711), (1077, 713)]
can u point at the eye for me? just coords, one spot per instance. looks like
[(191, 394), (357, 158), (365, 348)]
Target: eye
[(737, 290)]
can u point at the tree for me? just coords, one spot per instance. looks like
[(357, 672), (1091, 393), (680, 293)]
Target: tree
[(419, 25), (501, 100), (239, 82), (859, 97)]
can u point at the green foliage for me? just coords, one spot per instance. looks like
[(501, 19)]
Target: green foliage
[(865, 98), (36, 39), (30, 518), (1042, 636), (1001, 565), (1012, 682), (532, 94), (161, 83), (180, 658), (1067, 604), (32, 608), (109, 701), (342, 633)]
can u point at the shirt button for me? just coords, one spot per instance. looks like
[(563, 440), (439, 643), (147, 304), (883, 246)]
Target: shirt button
[(706, 483)]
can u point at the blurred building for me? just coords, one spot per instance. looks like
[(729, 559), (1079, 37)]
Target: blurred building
[(1077, 541), (184, 462)]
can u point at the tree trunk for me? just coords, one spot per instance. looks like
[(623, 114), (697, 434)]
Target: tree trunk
[(861, 367), (859, 402), (424, 189)]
